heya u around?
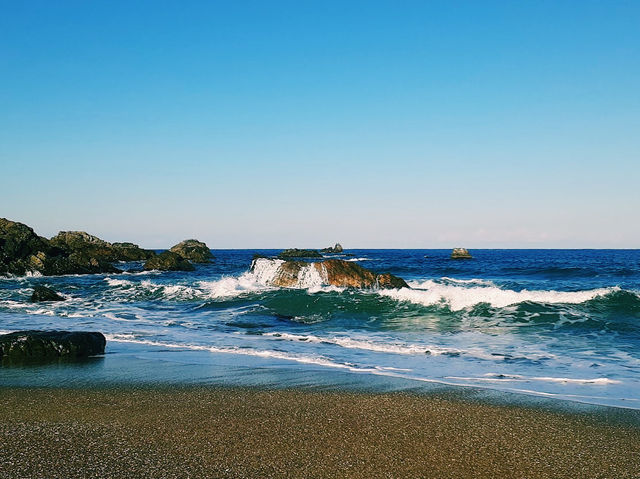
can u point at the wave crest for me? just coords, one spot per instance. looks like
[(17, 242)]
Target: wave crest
[(432, 293)]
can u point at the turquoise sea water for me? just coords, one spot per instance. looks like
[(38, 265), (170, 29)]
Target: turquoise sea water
[(553, 323)]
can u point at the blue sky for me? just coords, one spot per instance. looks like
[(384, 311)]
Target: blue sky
[(278, 124)]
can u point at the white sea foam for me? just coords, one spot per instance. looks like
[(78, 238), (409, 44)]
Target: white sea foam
[(359, 259), (265, 269), (261, 277), (430, 293), (115, 317), (365, 344), (482, 282), (118, 282), (263, 353), (171, 291), (497, 377), (230, 286)]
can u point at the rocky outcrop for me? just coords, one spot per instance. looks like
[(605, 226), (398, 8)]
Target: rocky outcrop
[(168, 261), (47, 345), (299, 253), (86, 245), (23, 251), (131, 252), (18, 244), (193, 250), (336, 249), (352, 275), (42, 293), (69, 252), (332, 272), (460, 253)]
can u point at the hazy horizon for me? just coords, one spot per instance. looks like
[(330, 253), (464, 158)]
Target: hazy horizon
[(280, 124)]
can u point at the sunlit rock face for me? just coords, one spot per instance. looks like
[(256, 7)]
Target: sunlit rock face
[(460, 253), (332, 272)]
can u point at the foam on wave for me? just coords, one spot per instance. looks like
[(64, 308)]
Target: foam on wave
[(456, 294), (366, 344), (263, 353), (430, 293), (497, 377)]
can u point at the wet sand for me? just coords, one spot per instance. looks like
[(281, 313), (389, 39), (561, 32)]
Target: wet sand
[(236, 432)]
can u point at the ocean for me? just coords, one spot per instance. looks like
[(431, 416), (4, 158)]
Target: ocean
[(561, 324)]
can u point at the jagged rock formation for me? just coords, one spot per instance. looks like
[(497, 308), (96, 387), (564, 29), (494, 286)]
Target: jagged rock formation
[(69, 252), (20, 247), (334, 272), (193, 250), (299, 253), (460, 253), (42, 293), (47, 345), (86, 245), (336, 249), (168, 261)]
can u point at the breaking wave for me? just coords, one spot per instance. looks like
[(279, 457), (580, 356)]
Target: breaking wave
[(433, 293), (454, 294)]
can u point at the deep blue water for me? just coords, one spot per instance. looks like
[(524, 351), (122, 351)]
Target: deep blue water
[(556, 323)]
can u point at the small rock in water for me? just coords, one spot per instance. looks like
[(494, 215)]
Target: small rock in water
[(460, 253), (299, 253), (42, 293), (193, 250), (336, 249)]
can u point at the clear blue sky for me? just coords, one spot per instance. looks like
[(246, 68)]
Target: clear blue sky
[(277, 124)]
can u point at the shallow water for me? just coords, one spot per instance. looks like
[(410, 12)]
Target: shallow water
[(554, 323)]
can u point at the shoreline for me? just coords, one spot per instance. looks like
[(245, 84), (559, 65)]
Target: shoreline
[(131, 365), (214, 431)]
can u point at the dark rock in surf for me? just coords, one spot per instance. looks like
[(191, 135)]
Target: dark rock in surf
[(168, 261), (193, 250), (299, 253), (50, 345), (42, 293)]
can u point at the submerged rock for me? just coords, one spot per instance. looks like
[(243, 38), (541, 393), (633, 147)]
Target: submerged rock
[(299, 253), (46, 345), (193, 250), (168, 261), (42, 293), (336, 249), (460, 253), (332, 272)]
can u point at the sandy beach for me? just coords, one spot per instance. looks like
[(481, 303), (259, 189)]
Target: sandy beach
[(239, 432)]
